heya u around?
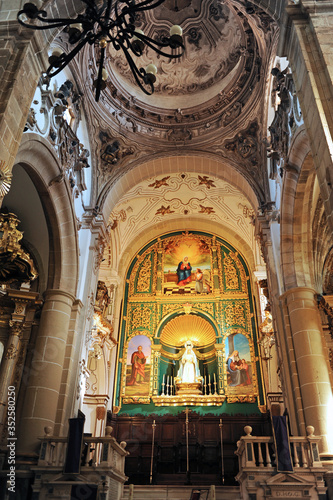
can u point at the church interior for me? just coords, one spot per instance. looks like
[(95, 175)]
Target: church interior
[(166, 265)]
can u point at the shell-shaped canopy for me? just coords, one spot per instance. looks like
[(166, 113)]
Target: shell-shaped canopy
[(188, 327)]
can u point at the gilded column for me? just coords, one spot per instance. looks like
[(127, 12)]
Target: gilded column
[(220, 372), (159, 268), (156, 355), (44, 380), (215, 270), (311, 363)]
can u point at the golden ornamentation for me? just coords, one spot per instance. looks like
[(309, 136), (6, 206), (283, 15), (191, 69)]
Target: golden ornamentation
[(169, 308), (135, 278), (5, 178), (141, 317), (187, 307), (230, 272), (188, 389), (11, 352), (145, 271), (15, 263), (234, 314), (241, 399), (136, 400), (204, 306), (16, 327), (262, 408), (188, 327), (189, 400)]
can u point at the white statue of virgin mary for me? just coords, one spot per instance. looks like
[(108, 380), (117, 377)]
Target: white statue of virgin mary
[(188, 368)]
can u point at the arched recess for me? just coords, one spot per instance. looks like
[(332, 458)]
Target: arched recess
[(297, 209), (177, 164), (183, 225), (42, 166), (154, 301)]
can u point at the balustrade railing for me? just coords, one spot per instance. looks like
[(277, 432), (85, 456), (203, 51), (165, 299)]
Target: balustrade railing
[(96, 451), (259, 451)]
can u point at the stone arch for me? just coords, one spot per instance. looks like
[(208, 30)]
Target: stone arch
[(201, 164), (44, 170), (296, 209), (200, 225)]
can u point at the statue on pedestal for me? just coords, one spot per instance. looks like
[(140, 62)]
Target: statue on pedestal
[(188, 380)]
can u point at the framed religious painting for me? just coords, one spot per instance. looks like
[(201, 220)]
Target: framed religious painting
[(187, 265), (240, 369), (136, 379)]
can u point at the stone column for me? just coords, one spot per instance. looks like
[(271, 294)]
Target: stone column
[(43, 382), (308, 46), (8, 367), (285, 352), (311, 361), (21, 318)]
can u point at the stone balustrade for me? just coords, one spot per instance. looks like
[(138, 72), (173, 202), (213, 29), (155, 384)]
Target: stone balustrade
[(258, 451), (258, 475), (97, 451), (102, 467)]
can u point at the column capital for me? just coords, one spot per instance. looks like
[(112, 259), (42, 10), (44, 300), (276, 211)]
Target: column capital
[(297, 293), (51, 294), (16, 327)]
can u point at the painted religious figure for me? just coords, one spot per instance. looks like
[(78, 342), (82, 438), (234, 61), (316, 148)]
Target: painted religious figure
[(138, 361), (187, 264), (239, 368), (138, 366), (184, 272), (188, 372), (199, 280)]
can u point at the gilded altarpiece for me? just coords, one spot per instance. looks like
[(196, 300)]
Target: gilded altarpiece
[(189, 288)]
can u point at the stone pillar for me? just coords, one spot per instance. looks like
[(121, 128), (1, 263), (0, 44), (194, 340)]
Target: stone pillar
[(21, 319), (43, 382), (22, 60), (308, 46), (8, 367), (311, 362), (286, 371)]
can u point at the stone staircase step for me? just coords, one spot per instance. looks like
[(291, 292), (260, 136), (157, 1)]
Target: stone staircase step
[(153, 492)]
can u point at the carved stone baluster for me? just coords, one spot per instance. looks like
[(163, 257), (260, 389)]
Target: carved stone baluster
[(62, 453), (296, 461), (268, 457), (304, 457), (261, 461), (54, 451)]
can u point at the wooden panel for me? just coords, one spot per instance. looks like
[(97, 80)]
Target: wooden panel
[(170, 446)]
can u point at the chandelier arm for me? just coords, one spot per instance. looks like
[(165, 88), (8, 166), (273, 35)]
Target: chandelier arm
[(68, 57), (99, 76), (137, 73), (152, 44), (53, 23)]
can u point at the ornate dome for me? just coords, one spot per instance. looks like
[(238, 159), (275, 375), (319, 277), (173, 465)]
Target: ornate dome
[(213, 42)]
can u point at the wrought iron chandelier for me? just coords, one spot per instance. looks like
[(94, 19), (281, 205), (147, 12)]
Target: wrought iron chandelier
[(103, 23)]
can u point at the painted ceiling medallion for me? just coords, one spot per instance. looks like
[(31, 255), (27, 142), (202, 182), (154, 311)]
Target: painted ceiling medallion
[(214, 43), (188, 327)]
